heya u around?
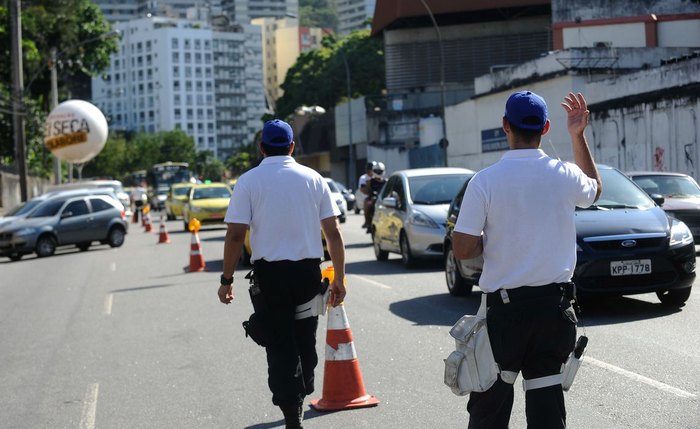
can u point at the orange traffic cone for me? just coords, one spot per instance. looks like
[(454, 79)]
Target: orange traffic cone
[(148, 227), (343, 387), (196, 258), (163, 232)]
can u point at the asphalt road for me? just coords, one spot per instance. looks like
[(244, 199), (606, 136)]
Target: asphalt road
[(127, 338)]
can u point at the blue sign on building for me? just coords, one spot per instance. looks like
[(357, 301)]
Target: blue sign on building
[(493, 140)]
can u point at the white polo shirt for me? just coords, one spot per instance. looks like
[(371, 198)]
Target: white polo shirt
[(283, 203), (524, 204)]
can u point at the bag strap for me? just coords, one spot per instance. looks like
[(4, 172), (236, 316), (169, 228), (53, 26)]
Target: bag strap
[(483, 307)]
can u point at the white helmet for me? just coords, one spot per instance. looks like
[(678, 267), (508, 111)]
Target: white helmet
[(378, 169)]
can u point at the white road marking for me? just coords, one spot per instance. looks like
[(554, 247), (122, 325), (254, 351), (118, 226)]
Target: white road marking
[(108, 303), (634, 376), (113, 266), (363, 278), (87, 420)]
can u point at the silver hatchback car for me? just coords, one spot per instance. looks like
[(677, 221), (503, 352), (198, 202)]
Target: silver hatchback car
[(411, 212), (66, 219)]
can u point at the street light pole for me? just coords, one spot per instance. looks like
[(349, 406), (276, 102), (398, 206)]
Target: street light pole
[(18, 99), (443, 142), (54, 103)]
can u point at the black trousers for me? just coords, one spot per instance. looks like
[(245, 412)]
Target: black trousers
[(291, 357), (533, 337)]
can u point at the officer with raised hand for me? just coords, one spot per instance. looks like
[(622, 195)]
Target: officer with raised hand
[(519, 213), (285, 205)]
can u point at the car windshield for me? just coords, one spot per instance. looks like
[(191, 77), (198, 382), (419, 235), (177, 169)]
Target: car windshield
[(669, 186), (213, 192), (47, 208), (619, 192), (181, 192), (333, 186), (435, 189), (24, 208)]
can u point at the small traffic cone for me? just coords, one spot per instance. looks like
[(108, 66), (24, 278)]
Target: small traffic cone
[(163, 232), (343, 387), (149, 225), (196, 258)]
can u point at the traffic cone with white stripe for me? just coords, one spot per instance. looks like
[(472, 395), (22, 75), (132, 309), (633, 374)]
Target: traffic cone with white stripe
[(196, 258), (148, 226), (163, 232), (343, 387)]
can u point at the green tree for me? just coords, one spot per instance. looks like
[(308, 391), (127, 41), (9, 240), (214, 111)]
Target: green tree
[(208, 167), (76, 28), (123, 154), (318, 76)]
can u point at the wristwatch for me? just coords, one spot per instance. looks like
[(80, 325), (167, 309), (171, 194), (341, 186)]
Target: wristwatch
[(226, 281)]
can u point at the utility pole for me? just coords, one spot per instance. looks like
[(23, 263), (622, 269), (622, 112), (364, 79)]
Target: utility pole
[(18, 110), (54, 103), (351, 146), (443, 142)]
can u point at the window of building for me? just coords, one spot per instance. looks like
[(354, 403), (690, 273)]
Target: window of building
[(174, 42)]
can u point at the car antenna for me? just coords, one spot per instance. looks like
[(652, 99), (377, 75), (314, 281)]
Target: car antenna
[(554, 149)]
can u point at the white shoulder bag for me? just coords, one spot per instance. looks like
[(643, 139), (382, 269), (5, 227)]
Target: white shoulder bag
[(471, 367)]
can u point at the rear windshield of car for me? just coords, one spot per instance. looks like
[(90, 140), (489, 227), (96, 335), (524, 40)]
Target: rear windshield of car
[(24, 208), (180, 192), (435, 189), (47, 208), (669, 186), (213, 192)]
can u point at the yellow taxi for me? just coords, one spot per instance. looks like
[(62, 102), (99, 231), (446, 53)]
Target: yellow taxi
[(176, 200), (207, 203)]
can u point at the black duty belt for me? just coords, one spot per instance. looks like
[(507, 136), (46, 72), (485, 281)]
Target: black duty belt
[(525, 293)]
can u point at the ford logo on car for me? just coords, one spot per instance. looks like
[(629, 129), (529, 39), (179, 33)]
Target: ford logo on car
[(629, 243)]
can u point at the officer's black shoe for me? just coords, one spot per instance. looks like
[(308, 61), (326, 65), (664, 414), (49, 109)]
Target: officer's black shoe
[(293, 415)]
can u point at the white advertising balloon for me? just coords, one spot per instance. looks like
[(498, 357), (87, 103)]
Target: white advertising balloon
[(75, 131)]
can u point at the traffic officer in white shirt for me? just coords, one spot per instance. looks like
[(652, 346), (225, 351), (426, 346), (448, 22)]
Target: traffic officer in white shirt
[(519, 213), (285, 205)]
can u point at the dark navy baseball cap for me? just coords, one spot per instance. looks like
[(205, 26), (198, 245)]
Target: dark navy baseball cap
[(526, 110), (277, 133)]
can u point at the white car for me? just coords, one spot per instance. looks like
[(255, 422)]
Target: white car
[(338, 198)]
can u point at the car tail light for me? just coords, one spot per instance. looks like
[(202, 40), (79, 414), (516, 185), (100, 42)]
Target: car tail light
[(123, 215)]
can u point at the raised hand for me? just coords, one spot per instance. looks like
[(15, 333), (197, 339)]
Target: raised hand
[(576, 112)]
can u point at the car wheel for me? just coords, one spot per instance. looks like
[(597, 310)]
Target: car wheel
[(357, 210), (15, 257), (674, 297), (381, 255), (456, 284), (83, 246), (187, 227), (406, 257), (45, 246), (115, 237), (341, 218)]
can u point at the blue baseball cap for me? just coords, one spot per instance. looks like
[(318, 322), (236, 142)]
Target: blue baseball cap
[(526, 110), (277, 133)]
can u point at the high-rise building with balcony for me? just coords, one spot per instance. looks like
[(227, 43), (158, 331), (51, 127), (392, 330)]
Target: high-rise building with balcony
[(354, 15), (177, 74)]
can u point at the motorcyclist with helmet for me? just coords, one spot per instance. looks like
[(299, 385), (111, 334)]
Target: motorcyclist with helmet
[(371, 188)]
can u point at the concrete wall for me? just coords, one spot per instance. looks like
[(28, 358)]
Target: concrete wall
[(10, 195), (570, 10)]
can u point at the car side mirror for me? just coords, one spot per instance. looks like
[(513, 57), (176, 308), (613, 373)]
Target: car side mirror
[(658, 199), (66, 214), (389, 202)]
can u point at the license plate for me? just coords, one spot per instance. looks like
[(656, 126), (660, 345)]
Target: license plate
[(216, 216), (630, 268)]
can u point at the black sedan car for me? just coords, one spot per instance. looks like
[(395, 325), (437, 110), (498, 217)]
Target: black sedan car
[(626, 245)]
